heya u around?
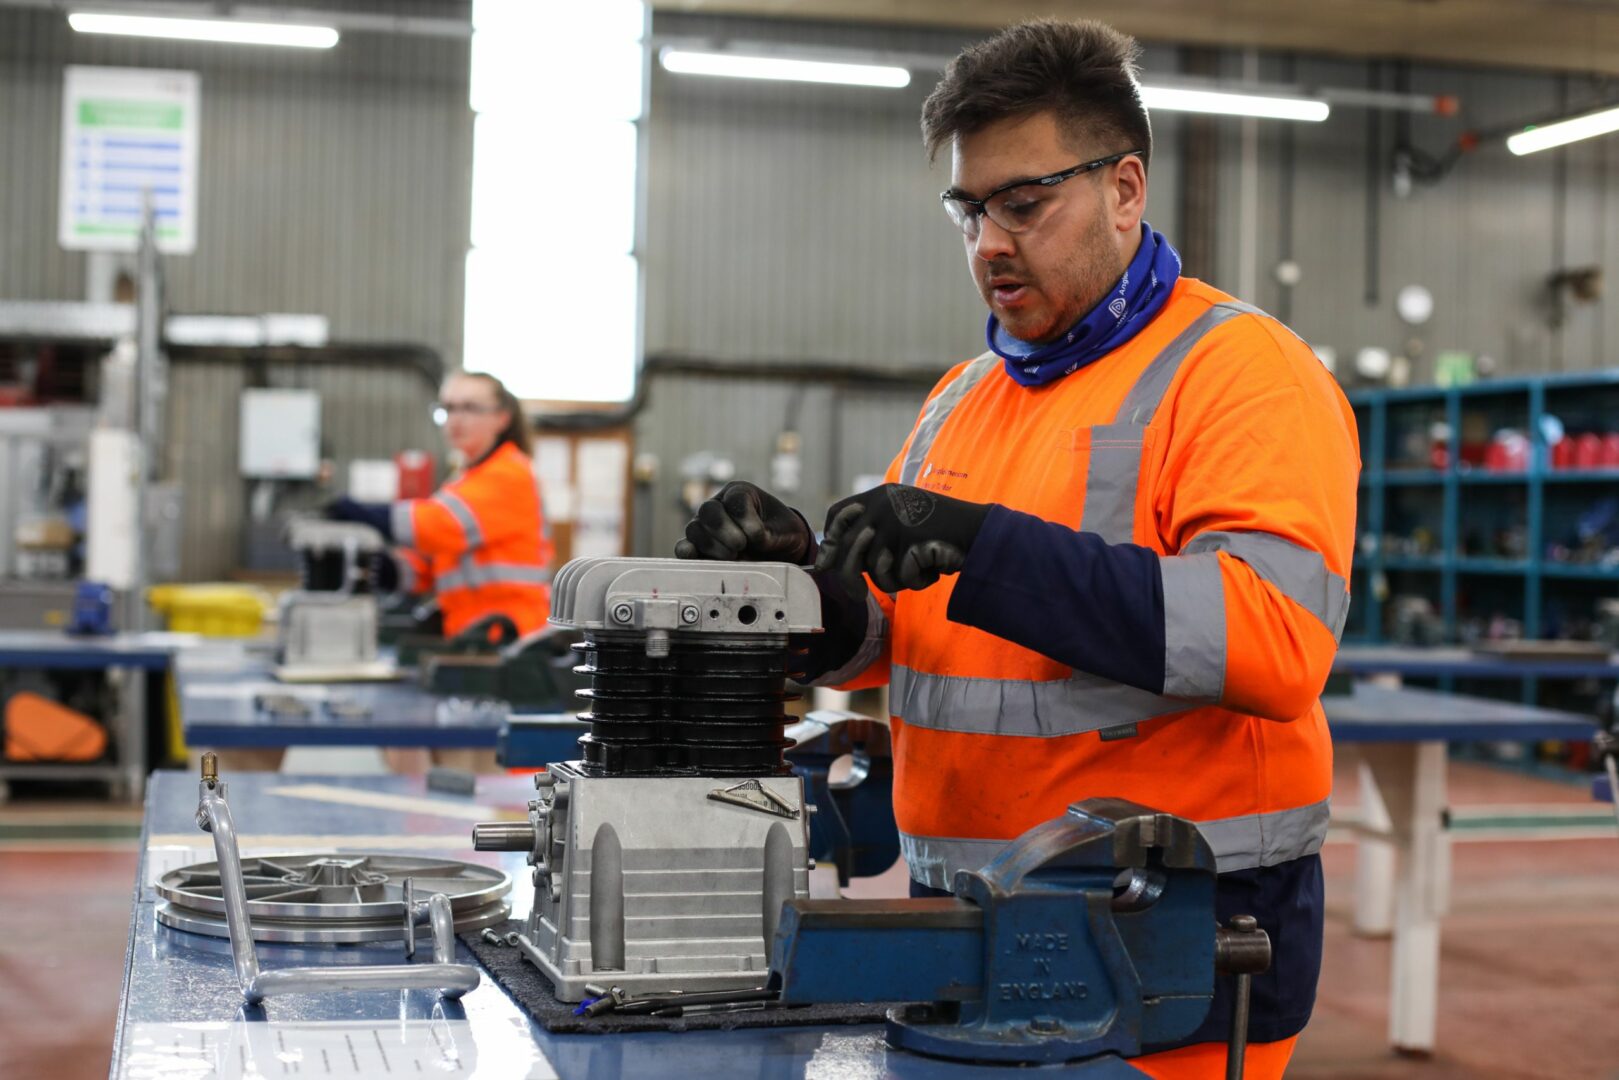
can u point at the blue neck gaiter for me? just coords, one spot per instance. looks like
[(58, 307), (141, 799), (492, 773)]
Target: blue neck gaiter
[(1128, 307)]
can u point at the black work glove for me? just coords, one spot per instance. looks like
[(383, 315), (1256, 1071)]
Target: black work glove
[(903, 536), (745, 522), (384, 573)]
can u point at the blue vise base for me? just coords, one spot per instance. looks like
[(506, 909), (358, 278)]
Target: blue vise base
[(1090, 936)]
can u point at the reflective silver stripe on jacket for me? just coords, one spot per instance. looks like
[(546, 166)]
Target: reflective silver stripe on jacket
[(870, 648), (937, 411), (1036, 709), (1114, 470), (402, 518), (462, 513), (1194, 627), (471, 575), (1239, 843), (1297, 572)]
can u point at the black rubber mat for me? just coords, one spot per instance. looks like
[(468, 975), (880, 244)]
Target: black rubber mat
[(532, 990)]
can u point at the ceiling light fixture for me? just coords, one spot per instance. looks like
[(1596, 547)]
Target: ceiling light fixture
[(232, 31), (1225, 103), (735, 66), (1546, 136)]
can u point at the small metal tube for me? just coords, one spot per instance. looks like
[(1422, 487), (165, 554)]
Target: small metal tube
[(443, 919), (503, 836), (214, 815)]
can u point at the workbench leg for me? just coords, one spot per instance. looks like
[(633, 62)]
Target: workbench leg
[(1411, 777), (130, 733), (1374, 861)]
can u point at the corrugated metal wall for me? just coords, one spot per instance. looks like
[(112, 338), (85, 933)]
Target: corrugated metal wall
[(332, 182), (793, 222), (1484, 239), (847, 432), (368, 410), (335, 182), (786, 224), (797, 224)]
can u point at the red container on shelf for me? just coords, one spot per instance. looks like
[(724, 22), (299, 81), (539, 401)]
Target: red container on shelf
[(1507, 453), (1610, 450), (415, 474), (1588, 451), (1563, 454)]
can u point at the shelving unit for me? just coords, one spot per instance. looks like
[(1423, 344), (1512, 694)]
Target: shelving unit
[(1476, 541)]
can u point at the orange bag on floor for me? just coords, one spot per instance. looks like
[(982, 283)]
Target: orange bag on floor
[(39, 729)]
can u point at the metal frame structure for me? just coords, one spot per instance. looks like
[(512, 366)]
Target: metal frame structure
[(443, 974)]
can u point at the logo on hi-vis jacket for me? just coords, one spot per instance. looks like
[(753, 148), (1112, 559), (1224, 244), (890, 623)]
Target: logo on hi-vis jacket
[(939, 479)]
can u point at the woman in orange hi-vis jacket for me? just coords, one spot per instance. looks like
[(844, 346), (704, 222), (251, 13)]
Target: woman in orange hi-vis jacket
[(478, 544), (1112, 558)]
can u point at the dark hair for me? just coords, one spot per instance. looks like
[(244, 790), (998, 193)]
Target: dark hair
[(516, 431), (1083, 71)]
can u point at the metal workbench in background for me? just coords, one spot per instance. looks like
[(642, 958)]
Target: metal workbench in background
[(129, 659), (1402, 879), (230, 699)]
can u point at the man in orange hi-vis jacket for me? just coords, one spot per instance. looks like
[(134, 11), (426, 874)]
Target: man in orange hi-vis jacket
[(1112, 558)]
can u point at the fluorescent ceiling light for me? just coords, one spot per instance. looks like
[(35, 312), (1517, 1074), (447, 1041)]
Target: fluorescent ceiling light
[(1574, 129), (1229, 104), (228, 30), (731, 65)]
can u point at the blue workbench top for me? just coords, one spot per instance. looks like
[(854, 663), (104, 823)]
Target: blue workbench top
[(231, 698), (179, 990), (1464, 663), (1406, 714), (55, 649)]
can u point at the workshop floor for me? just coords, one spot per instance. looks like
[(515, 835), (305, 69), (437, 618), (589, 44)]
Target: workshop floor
[(1530, 970)]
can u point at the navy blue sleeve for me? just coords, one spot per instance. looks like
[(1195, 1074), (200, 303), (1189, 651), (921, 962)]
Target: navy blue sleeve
[(1072, 596), (375, 515)]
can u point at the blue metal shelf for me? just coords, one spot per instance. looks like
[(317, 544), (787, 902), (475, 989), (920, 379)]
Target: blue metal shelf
[(1513, 567), (1413, 478), (1583, 476), (1578, 572), (1432, 563), (1492, 478), (1382, 415)]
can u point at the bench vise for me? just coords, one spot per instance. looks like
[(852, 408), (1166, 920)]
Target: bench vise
[(1092, 937)]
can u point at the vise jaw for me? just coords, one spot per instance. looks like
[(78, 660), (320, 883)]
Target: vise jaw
[(1091, 936)]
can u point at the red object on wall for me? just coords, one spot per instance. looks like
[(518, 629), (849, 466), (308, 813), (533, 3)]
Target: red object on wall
[(415, 474)]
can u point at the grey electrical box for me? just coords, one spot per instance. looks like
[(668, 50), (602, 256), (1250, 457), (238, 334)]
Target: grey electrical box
[(280, 434)]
